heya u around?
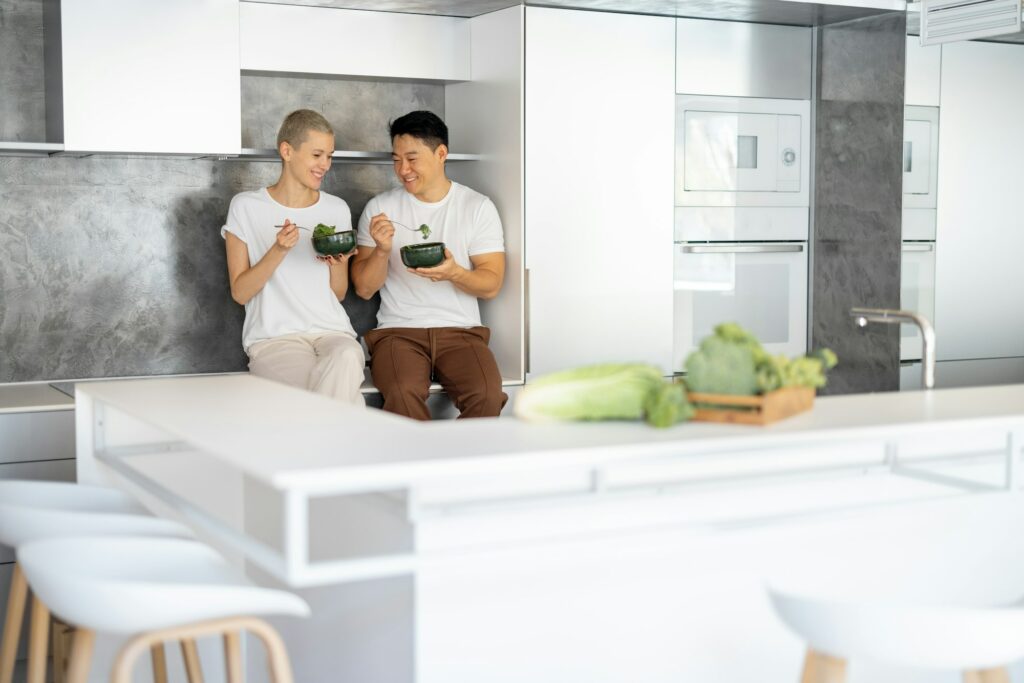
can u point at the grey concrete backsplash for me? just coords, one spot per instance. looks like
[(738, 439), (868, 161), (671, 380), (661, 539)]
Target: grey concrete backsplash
[(115, 267), (858, 181)]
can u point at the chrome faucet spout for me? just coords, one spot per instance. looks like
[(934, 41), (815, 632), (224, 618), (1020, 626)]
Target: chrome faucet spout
[(862, 316)]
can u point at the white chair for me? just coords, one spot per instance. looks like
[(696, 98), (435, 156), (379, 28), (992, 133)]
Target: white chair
[(153, 589), (35, 510), (935, 586)]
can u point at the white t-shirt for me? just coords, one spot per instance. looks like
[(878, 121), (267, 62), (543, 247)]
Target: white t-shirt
[(297, 298), (468, 224)]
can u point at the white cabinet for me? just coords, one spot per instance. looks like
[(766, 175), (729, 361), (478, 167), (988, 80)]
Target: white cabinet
[(924, 64), (600, 112), (978, 286), (917, 293), (149, 77), (286, 38)]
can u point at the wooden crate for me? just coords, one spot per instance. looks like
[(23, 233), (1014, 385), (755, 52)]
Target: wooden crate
[(755, 410)]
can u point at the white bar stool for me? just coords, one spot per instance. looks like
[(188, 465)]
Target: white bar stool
[(979, 641), (931, 585), (35, 510), (154, 589)]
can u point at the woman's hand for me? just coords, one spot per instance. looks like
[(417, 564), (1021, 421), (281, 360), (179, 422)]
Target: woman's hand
[(287, 236), (337, 259)]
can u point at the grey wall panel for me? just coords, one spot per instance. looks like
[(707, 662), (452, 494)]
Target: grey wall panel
[(115, 267), (858, 198)]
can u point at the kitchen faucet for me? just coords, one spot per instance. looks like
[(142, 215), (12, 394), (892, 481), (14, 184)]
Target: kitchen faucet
[(863, 316)]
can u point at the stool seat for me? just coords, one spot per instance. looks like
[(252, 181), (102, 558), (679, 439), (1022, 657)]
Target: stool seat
[(34, 510), (135, 584), (929, 636)]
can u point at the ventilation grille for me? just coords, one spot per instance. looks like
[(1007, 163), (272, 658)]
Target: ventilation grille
[(943, 21)]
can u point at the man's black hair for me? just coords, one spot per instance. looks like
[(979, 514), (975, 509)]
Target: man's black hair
[(423, 125)]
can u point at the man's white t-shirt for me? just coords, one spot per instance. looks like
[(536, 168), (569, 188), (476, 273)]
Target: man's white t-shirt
[(297, 298), (468, 224)]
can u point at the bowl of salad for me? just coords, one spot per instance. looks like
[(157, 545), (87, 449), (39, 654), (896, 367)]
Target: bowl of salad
[(328, 242), (423, 255)]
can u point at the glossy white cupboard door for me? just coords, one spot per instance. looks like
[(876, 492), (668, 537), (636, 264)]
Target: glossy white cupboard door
[(978, 283), (158, 77), (917, 293), (763, 287), (600, 115)]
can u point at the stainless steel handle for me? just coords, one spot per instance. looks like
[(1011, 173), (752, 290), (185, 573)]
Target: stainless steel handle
[(526, 321), (739, 248), (918, 247)]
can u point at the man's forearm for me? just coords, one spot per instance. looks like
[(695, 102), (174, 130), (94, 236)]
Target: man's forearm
[(369, 274), (480, 282)]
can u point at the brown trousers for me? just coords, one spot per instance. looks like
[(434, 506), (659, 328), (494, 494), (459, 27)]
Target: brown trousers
[(403, 359)]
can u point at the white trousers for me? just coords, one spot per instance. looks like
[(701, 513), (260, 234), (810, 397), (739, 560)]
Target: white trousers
[(329, 364)]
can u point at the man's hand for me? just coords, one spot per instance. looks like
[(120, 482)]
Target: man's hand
[(445, 270), (382, 230)]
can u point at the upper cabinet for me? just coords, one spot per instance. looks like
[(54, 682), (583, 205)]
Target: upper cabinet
[(742, 60), (144, 77), (340, 42)]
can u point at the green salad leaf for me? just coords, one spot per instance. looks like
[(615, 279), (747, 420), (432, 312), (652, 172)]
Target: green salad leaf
[(611, 391), (424, 230), (323, 230)]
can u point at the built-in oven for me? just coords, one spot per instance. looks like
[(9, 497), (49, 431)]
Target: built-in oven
[(736, 151), (761, 286), (917, 293)]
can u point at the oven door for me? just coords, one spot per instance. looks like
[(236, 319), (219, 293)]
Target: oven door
[(917, 293), (763, 287)]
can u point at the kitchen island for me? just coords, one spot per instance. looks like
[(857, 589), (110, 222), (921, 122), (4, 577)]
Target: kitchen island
[(495, 550)]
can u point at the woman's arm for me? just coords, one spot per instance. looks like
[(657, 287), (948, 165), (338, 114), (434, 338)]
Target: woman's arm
[(247, 280)]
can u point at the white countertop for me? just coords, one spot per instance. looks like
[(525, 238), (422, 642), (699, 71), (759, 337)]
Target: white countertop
[(295, 439)]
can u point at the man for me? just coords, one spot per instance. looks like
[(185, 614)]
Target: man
[(295, 329), (429, 318)]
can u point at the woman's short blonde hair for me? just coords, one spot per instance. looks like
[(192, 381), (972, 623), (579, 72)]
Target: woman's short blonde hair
[(296, 126)]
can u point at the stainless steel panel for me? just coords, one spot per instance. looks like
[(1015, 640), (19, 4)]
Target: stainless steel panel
[(37, 436), (742, 59)]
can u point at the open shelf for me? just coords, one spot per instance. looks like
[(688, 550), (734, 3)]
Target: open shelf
[(343, 156), (30, 149)]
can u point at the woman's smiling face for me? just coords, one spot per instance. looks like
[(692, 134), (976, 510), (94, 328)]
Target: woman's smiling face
[(311, 160)]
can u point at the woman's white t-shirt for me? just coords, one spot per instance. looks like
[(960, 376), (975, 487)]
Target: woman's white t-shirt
[(468, 224), (297, 298)]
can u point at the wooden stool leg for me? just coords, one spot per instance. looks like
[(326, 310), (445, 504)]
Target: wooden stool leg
[(159, 657), (38, 640), (81, 655), (277, 655), (233, 656), (12, 624), (822, 668), (1000, 675), (59, 656), (192, 665)]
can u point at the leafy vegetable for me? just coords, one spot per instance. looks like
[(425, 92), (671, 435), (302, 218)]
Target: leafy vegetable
[(322, 230), (732, 361), (424, 230), (724, 363), (625, 391)]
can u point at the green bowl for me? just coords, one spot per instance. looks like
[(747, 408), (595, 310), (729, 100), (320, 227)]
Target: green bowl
[(338, 243), (425, 255)]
